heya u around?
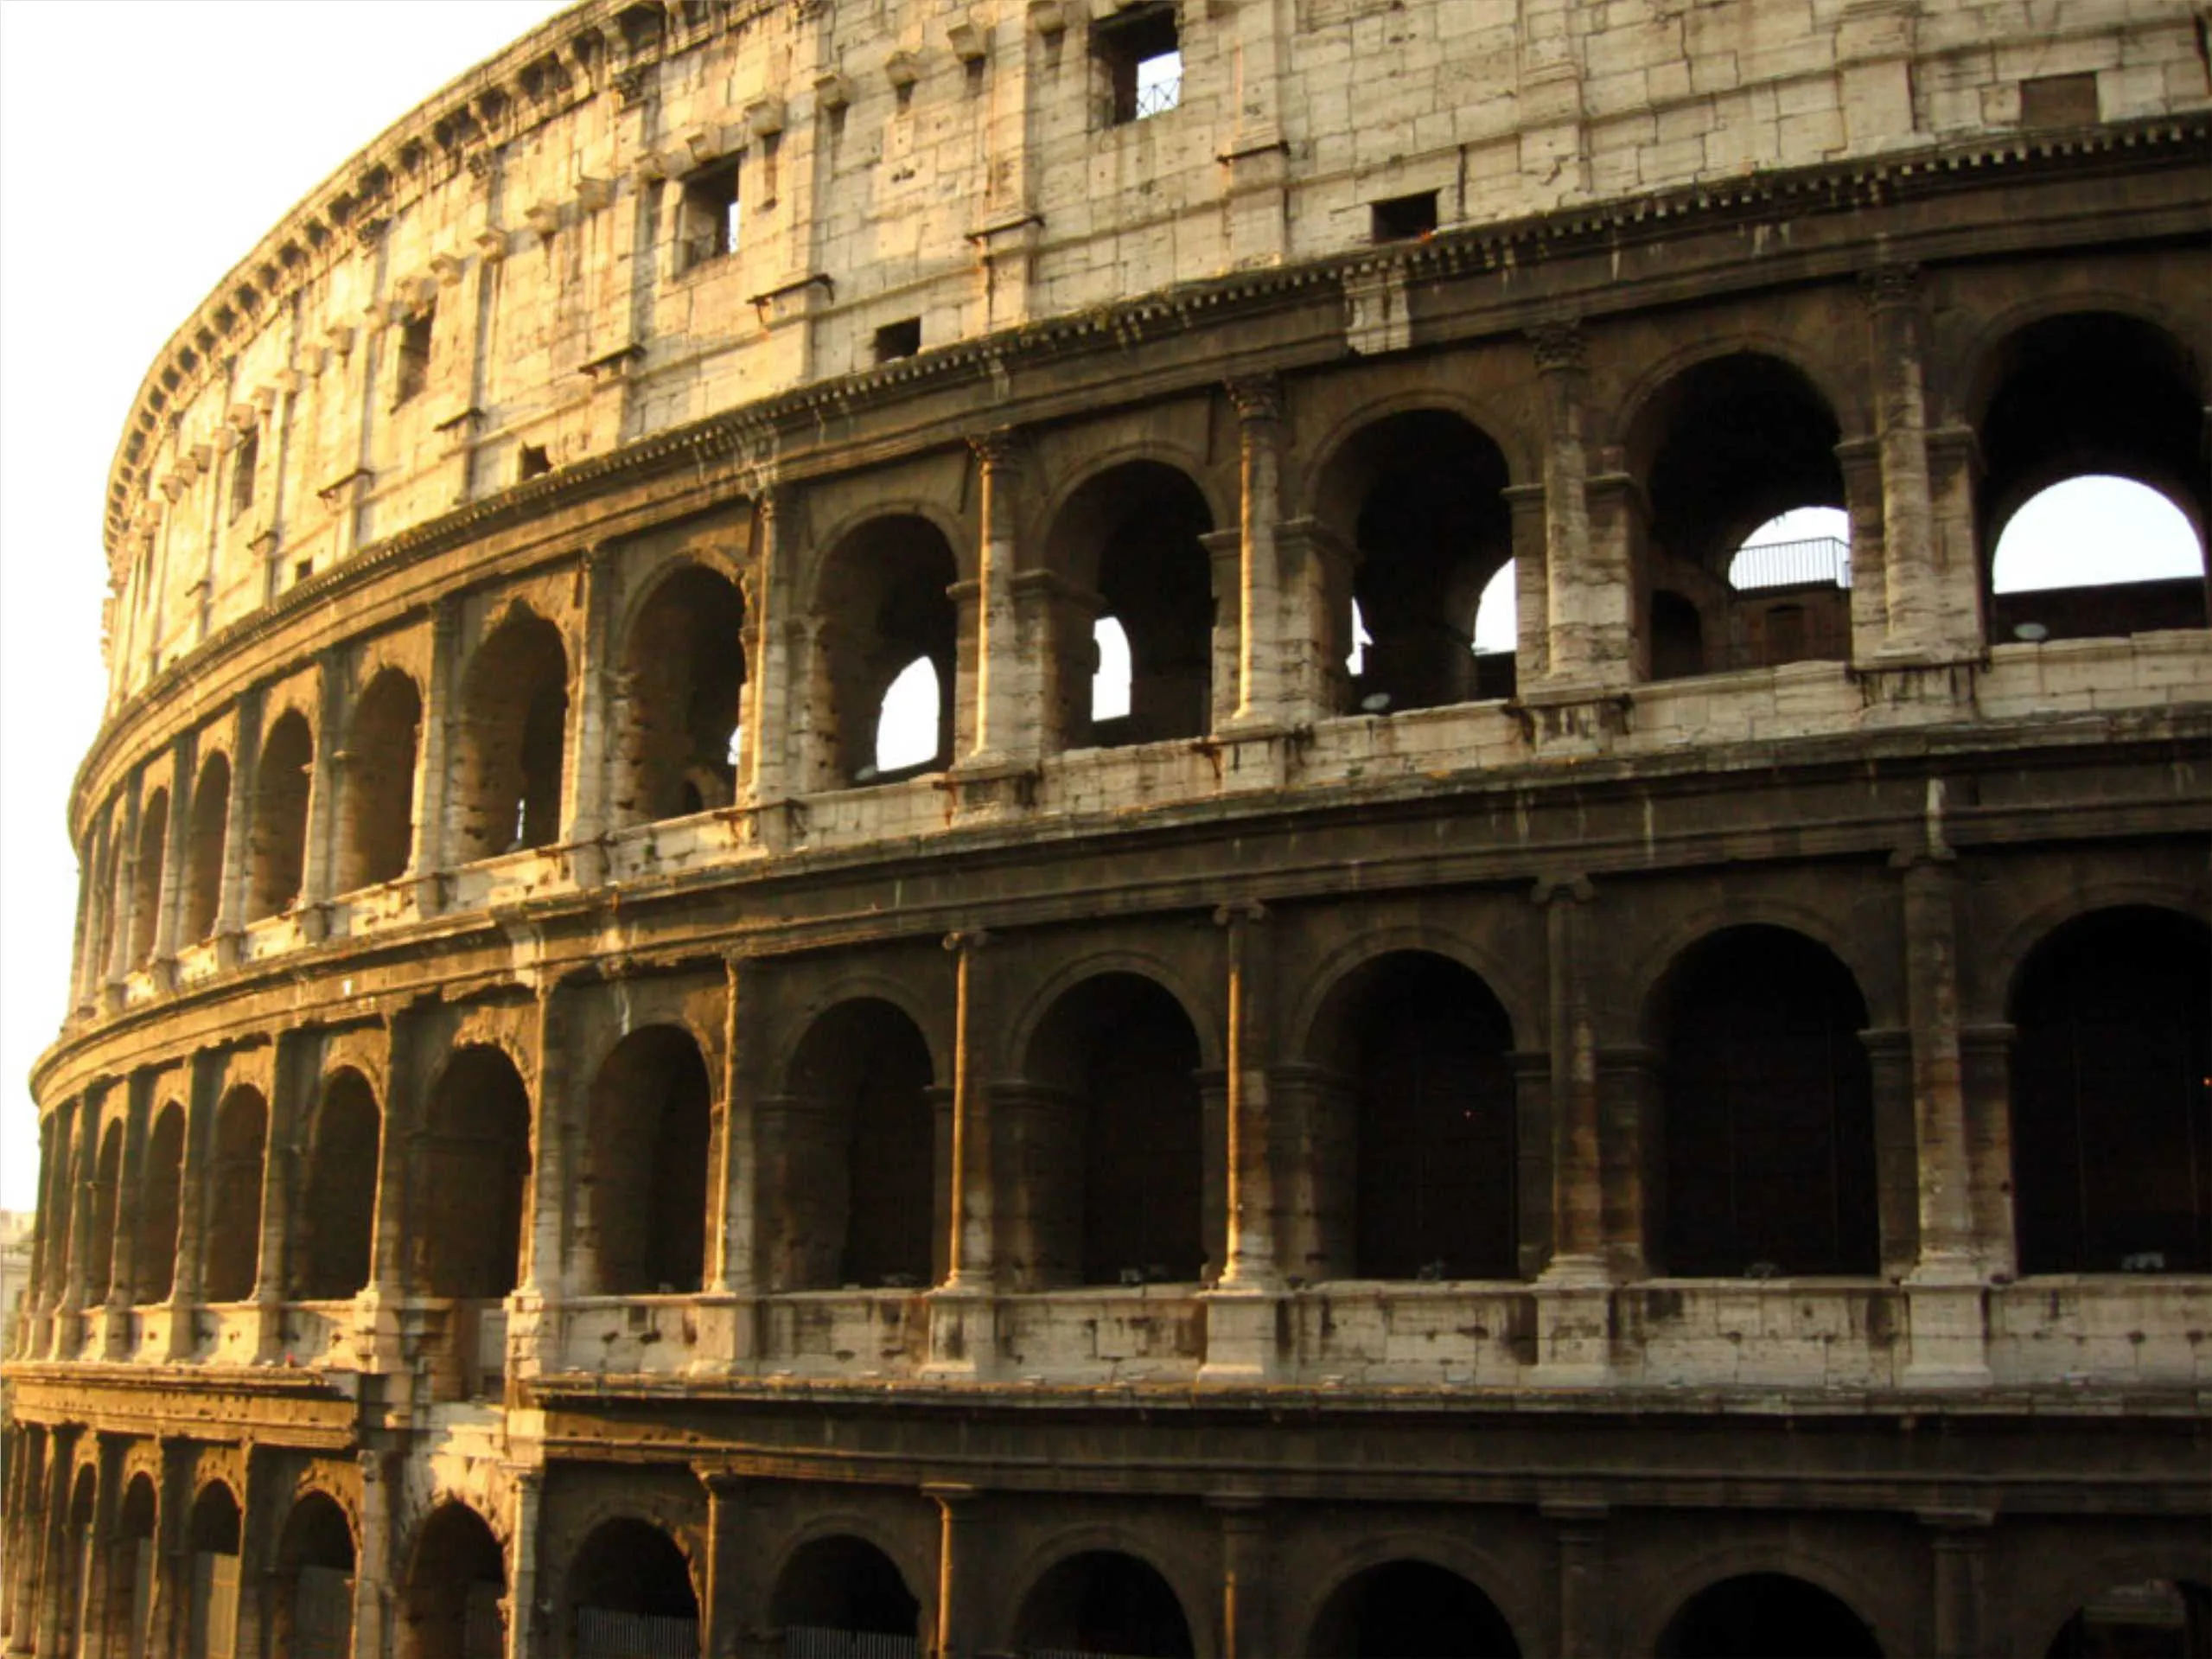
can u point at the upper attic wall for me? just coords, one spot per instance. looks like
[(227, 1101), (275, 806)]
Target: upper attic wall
[(514, 277)]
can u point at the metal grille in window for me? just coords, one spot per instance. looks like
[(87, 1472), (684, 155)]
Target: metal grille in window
[(601, 1634), (819, 1641), (1791, 564), (1159, 85)]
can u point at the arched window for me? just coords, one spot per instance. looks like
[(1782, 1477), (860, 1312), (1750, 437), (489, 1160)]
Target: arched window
[(1409, 1608), (884, 604), (475, 1171), (1767, 1108), (1420, 1095), (146, 886), (514, 703), (334, 1232), (212, 1534), (1103, 1602), (836, 1592), (2112, 1108), (1115, 1186), (378, 810), (452, 1605), (203, 852), (2153, 1619), (2095, 555), (277, 846), (1761, 1614), (2093, 396), (1731, 453), (1497, 634), (1420, 498), (907, 724), (651, 1123), (235, 1195), (159, 1206), (858, 1201), (631, 1592), (684, 685), (310, 1603), (129, 1620), (1131, 539), (107, 1179)]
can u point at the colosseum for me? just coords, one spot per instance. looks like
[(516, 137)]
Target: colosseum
[(1270, 1122)]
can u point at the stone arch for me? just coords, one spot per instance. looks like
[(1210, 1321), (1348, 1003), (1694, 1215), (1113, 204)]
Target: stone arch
[(309, 1599), (1522, 998), (1128, 538), (630, 1588), (1418, 498), (235, 1174), (1965, 379), (206, 834), (473, 1172), (2112, 1022), (500, 1026), (1645, 1625), (512, 754), (125, 1621), (1614, 423), (376, 783), (1503, 424), (334, 1247), (856, 1172), (2005, 955), (146, 887), (107, 1200), (682, 688), (2046, 1600), (1767, 1130), (1496, 1580), (1753, 1615), (650, 1117), (1048, 1611), (1021, 1030), (1661, 949), (214, 1535), (455, 1581), (882, 602), (1124, 1186), (277, 838), (861, 983), (843, 1580), (160, 1206)]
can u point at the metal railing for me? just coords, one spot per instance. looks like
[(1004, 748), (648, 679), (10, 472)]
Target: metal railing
[(1791, 564)]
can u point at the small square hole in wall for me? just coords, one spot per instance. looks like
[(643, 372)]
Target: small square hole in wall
[(897, 340), (708, 223), (535, 462), (304, 569), (1141, 56), (2059, 101), (414, 371), (1402, 217)]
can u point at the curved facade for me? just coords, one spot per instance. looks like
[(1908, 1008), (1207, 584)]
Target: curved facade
[(578, 1134)]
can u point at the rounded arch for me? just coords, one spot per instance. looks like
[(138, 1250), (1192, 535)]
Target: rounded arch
[(277, 838), (1021, 1030), (650, 1123), (378, 782), (1496, 1580), (335, 1228), (474, 1173), (1890, 1622), (630, 1588), (146, 886), (1099, 1593), (212, 1522), (107, 1196), (1502, 426), (1967, 376), (882, 592), (1325, 981), (842, 1583), (862, 984), (2047, 1600), (514, 736), (1861, 952), (452, 1598), (1411, 1608), (1755, 1615), (309, 1605), (862, 1202), (2007, 953), (234, 1183), (682, 693), (205, 834), (957, 533), (1767, 1117), (1618, 422), (160, 1205)]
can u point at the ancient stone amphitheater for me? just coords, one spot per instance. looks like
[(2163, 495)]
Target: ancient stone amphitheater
[(1257, 1128)]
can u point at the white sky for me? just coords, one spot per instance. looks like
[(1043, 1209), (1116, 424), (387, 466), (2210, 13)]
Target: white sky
[(143, 148)]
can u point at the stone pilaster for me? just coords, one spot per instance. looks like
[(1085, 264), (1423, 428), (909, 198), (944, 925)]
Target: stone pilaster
[(1247, 1587), (1265, 643)]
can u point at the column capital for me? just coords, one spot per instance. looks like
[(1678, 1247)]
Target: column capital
[(1000, 447), (1257, 398), (1886, 287), (1560, 345), (1574, 888), (969, 939), (1240, 912)]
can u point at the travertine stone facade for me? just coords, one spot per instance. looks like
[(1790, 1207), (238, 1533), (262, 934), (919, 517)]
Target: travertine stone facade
[(1688, 1132)]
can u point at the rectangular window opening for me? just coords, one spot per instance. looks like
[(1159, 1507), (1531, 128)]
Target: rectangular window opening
[(1401, 218), (245, 462), (897, 340), (2059, 101), (414, 357), (535, 462), (1141, 56), (709, 218)]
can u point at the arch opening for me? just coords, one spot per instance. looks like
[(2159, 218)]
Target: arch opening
[(1736, 454), (146, 885), (1411, 1610), (378, 783), (1419, 497), (1103, 1602), (276, 844), (457, 1582), (234, 1179), (2155, 1619), (2095, 556), (1131, 541), (2088, 395), (128, 1617), (683, 675), (651, 1123), (1767, 1110), (107, 1182), (335, 1228), (203, 855), (310, 1603), (907, 723), (860, 1203), (212, 1534), (844, 1595), (1114, 1109), (1420, 1110), (884, 603), (474, 1169), (160, 1206), (513, 737), (2112, 1053), (630, 1591), (1767, 1616)]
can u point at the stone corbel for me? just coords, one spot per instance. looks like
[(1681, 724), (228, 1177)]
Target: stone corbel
[(971, 44), (339, 337), (832, 91), (447, 268), (791, 299), (613, 365), (543, 217), (704, 143), (652, 169), (764, 116), (491, 244), (245, 417), (330, 494), (202, 458), (902, 69), (1050, 17), (593, 193)]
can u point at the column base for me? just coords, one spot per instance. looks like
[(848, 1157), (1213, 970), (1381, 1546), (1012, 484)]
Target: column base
[(1949, 1342), (1244, 1334), (1574, 1326), (963, 1334)]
